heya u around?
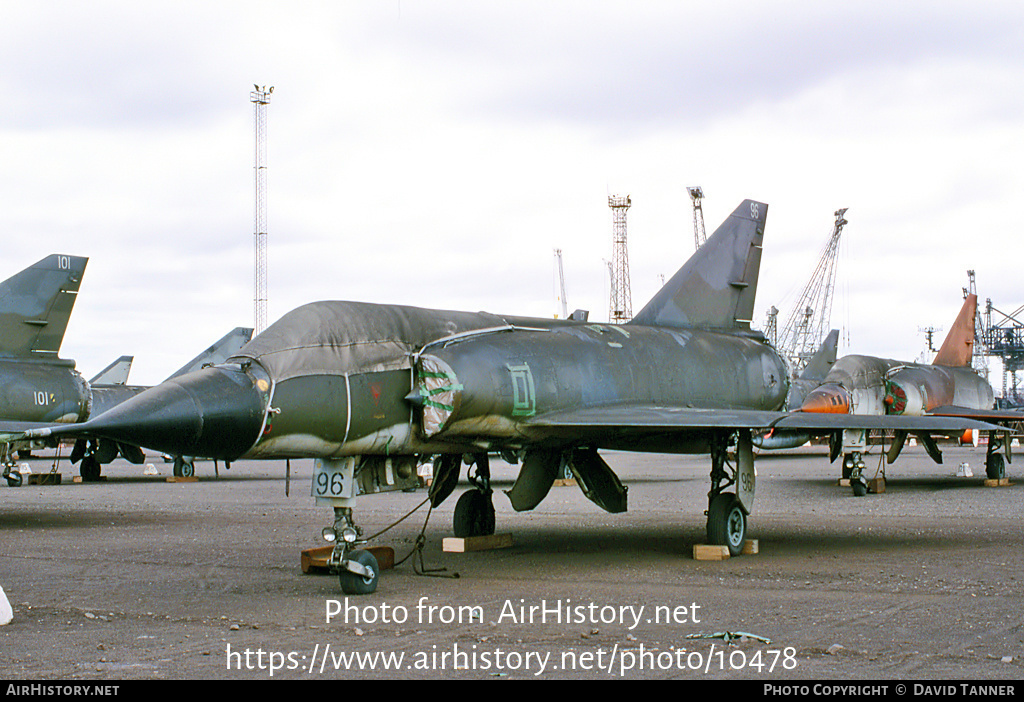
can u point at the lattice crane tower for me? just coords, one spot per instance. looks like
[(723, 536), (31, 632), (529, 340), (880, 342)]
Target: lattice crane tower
[(979, 356), (809, 322), (620, 307), (260, 97), (696, 195)]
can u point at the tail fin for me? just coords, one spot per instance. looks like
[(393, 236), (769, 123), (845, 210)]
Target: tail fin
[(116, 373), (958, 347), (821, 362), (715, 288), (36, 304), (226, 347)]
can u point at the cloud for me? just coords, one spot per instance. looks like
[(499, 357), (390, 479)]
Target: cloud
[(436, 154)]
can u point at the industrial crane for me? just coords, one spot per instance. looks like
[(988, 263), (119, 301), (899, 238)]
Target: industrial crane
[(696, 195), (808, 323)]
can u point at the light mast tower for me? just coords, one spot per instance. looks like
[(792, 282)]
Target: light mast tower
[(561, 285), (260, 97), (620, 307)]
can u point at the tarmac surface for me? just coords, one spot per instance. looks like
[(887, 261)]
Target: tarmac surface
[(138, 578)]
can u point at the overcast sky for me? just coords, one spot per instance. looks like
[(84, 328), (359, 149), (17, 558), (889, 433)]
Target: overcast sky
[(436, 153)]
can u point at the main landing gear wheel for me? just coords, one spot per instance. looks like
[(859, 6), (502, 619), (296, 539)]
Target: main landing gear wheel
[(90, 469), (995, 466), (727, 523), (355, 583), (183, 468), (474, 514)]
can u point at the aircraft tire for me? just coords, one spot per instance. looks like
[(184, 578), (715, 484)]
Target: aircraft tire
[(727, 523), (860, 488), (90, 469), (474, 514), (14, 479), (183, 468), (995, 467), (353, 584)]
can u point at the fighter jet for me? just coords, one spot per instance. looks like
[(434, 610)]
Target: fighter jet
[(868, 385), (114, 374), (372, 391), (35, 384)]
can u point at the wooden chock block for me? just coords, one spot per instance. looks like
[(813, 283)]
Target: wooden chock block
[(314, 560), (455, 544), (750, 547), (876, 485), (564, 482), (706, 552), (79, 479), (385, 556), (1002, 482), (179, 479), (844, 482)]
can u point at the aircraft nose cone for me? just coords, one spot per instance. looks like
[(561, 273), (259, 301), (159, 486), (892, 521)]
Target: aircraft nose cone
[(213, 413), (827, 399)]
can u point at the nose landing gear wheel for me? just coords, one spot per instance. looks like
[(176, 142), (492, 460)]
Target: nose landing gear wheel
[(356, 584), (727, 523)]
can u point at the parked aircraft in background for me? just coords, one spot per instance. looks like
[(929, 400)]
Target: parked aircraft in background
[(37, 386), (114, 374), (811, 377), (949, 387)]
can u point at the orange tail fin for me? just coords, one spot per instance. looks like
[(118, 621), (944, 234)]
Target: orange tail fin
[(958, 348)]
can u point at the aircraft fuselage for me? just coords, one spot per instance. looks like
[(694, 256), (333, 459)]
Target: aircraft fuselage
[(884, 386), (387, 380), (473, 390), (42, 391)]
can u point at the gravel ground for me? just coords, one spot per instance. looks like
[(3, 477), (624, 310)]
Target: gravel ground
[(138, 578)]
